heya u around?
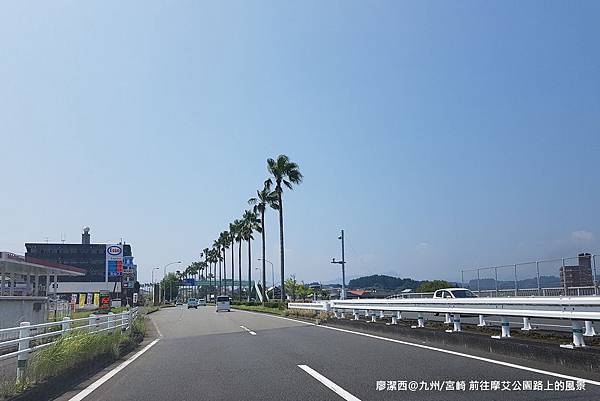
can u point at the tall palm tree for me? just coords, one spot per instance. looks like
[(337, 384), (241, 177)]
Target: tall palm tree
[(288, 173), (224, 241), (239, 237), (214, 258), (231, 240), (251, 225), (205, 254), (264, 198), (217, 255)]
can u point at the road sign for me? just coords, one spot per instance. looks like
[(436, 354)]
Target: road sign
[(105, 301), (114, 260), (189, 281)]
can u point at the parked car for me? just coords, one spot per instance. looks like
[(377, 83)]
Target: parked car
[(201, 302), (454, 293), (223, 303), (192, 303)]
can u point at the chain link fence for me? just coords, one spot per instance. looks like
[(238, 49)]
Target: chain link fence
[(570, 276)]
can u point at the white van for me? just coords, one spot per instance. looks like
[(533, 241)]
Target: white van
[(223, 303)]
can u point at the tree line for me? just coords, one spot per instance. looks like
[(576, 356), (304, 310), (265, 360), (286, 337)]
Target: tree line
[(283, 174)]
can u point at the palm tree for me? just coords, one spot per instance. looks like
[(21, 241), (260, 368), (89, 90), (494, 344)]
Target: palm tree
[(251, 224), (219, 258), (239, 237), (214, 259), (231, 240), (205, 254), (284, 172), (265, 197), (224, 241)]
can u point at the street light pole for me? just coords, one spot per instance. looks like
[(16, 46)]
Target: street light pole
[(272, 276), (153, 285), (343, 263), (165, 275)]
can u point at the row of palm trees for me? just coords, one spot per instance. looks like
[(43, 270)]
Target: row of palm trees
[(283, 174)]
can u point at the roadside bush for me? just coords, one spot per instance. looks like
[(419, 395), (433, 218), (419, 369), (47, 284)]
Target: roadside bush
[(73, 350), (78, 349), (301, 313)]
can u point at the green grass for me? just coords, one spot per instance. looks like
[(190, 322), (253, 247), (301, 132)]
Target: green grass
[(81, 314), (74, 351), (257, 308)]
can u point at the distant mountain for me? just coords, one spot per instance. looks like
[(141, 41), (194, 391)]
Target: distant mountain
[(490, 283), (384, 282)]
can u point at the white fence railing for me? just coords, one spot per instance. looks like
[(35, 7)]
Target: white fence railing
[(581, 311), (28, 338)]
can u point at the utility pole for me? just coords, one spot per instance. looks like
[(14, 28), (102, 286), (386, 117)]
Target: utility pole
[(343, 263)]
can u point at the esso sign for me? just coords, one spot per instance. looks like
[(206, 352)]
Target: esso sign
[(113, 250)]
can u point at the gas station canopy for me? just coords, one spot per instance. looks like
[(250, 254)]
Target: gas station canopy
[(18, 264)]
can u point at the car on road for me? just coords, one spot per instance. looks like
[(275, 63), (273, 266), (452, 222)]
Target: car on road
[(178, 302), (454, 293), (201, 302), (223, 303), (192, 303)]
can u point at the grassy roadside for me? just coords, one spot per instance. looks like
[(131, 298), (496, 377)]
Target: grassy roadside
[(73, 356), (319, 317), (263, 309)]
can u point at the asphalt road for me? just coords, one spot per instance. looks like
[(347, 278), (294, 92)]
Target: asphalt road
[(204, 355)]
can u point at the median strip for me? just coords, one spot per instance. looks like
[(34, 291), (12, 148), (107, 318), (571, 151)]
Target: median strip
[(328, 383)]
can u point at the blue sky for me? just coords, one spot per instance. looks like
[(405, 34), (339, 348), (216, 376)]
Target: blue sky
[(439, 135)]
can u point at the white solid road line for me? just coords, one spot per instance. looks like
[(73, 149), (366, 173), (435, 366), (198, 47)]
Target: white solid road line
[(328, 383), (479, 358), (248, 330), (156, 327), (89, 389)]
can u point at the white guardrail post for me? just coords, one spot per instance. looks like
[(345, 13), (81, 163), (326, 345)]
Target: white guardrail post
[(110, 322), (65, 325), (589, 329), (577, 336), (23, 345), (505, 333), (90, 327), (447, 319)]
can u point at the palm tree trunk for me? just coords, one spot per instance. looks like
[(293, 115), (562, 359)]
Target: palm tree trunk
[(249, 268), (240, 269), (281, 252), (264, 269), (232, 270), (224, 272), (220, 277)]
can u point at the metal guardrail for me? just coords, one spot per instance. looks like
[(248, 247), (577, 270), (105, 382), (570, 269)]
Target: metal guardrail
[(34, 337), (581, 311)]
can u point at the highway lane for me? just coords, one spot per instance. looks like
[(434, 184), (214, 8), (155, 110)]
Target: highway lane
[(203, 355)]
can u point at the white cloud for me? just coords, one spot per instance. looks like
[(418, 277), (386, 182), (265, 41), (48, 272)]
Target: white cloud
[(582, 236)]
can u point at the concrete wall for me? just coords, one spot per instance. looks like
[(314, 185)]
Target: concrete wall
[(14, 310)]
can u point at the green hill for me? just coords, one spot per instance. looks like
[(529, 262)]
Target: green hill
[(384, 282)]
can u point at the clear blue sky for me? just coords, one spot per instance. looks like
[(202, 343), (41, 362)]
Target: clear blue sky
[(440, 135)]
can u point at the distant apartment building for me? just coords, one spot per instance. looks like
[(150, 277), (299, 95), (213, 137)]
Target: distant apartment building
[(580, 275)]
